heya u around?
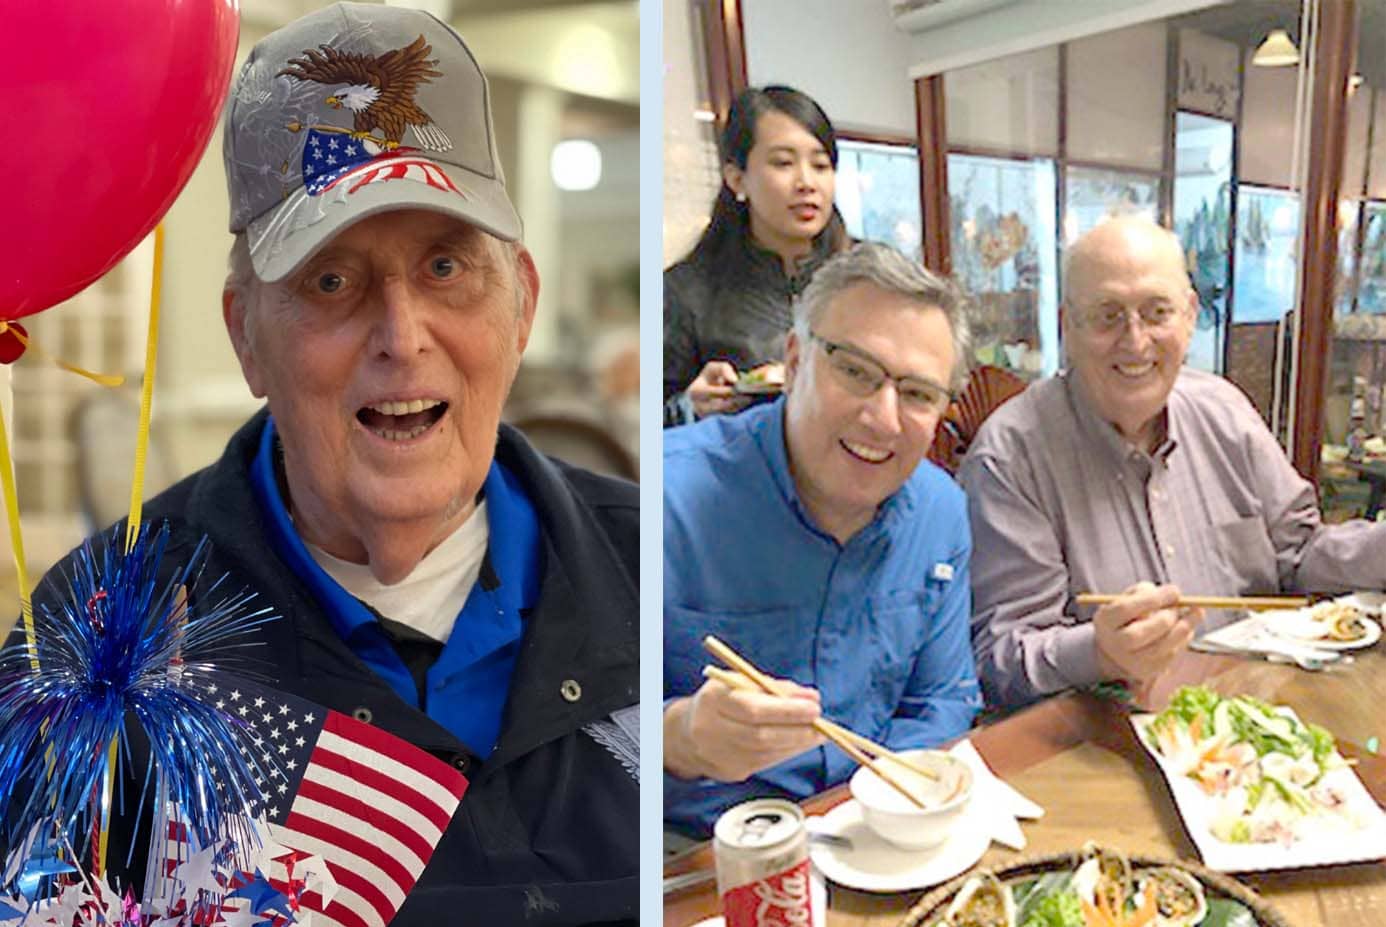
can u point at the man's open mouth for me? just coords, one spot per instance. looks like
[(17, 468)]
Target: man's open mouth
[(867, 453), (401, 420)]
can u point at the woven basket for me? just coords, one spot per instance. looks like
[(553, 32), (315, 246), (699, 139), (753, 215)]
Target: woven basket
[(931, 906)]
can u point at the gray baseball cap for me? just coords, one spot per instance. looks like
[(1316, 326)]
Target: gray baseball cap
[(354, 110)]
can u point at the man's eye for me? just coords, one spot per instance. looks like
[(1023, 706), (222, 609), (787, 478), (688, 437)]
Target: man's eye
[(443, 267), (330, 283), (854, 370), (925, 396)]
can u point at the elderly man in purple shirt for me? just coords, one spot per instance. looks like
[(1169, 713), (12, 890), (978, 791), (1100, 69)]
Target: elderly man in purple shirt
[(1128, 473)]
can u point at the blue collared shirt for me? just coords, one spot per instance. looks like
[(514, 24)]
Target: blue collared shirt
[(468, 684), (878, 625)]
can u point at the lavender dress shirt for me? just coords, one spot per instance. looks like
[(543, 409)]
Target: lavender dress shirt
[(1060, 504)]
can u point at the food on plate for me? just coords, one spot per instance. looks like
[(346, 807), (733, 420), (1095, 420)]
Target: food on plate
[(763, 376), (1339, 621), (984, 901), (1268, 774), (1069, 890), (1104, 875), (1180, 900)]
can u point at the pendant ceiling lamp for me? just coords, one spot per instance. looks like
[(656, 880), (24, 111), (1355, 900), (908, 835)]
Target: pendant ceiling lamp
[(1277, 51)]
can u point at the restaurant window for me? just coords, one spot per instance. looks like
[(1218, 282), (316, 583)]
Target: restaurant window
[(1094, 194), (878, 194), (1202, 220), (1004, 252), (1267, 226)]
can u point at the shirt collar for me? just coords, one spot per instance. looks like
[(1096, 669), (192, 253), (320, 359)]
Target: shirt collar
[(1106, 434), (510, 553)]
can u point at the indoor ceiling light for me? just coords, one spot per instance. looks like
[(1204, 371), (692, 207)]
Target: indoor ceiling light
[(576, 164), (1276, 51)]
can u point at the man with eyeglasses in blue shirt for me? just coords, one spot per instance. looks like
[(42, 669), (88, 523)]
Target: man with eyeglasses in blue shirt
[(1128, 473), (811, 535)]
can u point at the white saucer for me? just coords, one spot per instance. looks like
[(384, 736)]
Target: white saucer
[(872, 865), (818, 891)]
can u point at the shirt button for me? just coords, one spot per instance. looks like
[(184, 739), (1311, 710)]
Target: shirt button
[(570, 690), (1169, 551), (362, 713)]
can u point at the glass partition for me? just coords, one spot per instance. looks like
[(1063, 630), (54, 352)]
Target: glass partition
[(878, 194)]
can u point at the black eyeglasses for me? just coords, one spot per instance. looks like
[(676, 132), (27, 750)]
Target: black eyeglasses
[(862, 375)]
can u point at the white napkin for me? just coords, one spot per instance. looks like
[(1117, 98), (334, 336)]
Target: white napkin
[(1253, 635), (994, 801)]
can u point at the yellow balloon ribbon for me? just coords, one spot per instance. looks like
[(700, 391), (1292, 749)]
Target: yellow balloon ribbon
[(151, 358), (105, 379), (132, 525), (26, 608)]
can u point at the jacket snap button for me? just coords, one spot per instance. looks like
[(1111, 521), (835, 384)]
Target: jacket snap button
[(362, 713), (570, 690), (460, 762)]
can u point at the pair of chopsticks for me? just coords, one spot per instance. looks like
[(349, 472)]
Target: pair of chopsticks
[(1251, 603), (862, 750)]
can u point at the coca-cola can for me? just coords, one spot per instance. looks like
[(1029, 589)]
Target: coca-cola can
[(762, 856)]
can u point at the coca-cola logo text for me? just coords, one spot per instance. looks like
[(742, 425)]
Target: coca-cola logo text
[(780, 900)]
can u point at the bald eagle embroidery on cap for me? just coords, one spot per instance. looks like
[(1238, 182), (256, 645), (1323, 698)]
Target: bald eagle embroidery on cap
[(379, 92)]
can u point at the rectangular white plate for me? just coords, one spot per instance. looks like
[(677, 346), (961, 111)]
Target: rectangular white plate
[(1195, 807)]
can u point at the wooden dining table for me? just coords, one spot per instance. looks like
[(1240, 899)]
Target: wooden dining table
[(1077, 756)]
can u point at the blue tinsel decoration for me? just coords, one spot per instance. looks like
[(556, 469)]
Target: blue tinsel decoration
[(124, 644)]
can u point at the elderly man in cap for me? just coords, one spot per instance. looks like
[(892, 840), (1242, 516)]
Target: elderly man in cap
[(811, 535), (1129, 473), (434, 575)]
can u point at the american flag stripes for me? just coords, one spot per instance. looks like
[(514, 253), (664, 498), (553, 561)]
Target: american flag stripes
[(369, 805)]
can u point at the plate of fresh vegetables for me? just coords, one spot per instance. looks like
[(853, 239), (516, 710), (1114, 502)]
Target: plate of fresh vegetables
[(1258, 788)]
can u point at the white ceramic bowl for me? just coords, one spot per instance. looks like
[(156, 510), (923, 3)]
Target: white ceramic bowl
[(895, 819)]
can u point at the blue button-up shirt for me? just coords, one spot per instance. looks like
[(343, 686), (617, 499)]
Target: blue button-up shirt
[(878, 625), (468, 684)]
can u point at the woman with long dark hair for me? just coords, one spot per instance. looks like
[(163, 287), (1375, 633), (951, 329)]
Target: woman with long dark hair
[(727, 304)]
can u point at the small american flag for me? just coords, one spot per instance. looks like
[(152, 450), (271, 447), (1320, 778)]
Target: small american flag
[(372, 806)]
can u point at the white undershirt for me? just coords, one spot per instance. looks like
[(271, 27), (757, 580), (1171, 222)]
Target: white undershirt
[(430, 598)]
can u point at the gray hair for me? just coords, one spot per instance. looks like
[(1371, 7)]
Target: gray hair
[(242, 280), (884, 267)]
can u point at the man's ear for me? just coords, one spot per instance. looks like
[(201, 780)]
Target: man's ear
[(793, 357), (233, 310), (528, 280)]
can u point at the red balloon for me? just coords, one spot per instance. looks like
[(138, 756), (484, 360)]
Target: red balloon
[(108, 108)]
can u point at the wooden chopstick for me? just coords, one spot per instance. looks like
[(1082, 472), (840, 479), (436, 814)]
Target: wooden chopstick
[(767, 685), (739, 681), (1251, 603)]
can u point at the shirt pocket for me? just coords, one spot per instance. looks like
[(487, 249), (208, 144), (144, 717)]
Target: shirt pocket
[(778, 641), (1247, 557), (898, 624)]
